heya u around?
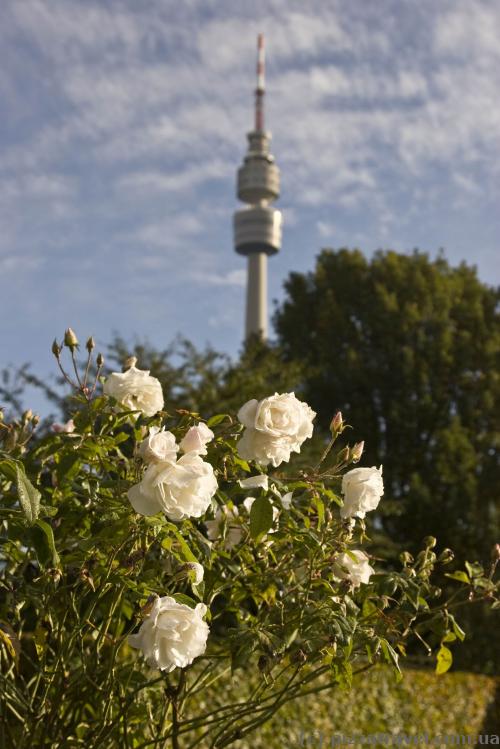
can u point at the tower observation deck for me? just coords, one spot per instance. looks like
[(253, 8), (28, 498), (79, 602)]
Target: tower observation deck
[(257, 227)]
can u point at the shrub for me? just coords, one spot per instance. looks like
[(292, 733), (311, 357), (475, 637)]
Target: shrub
[(135, 583)]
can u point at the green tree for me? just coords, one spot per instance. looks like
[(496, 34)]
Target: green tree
[(410, 348)]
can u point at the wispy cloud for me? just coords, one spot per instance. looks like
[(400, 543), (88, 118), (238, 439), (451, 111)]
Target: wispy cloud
[(123, 128)]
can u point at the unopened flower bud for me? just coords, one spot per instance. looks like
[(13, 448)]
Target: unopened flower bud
[(90, 344), (446, 556), (344, 454), (27, 415), (430, 542), (99, 360), (70, 339), (129, 363), (56, 348), (495, 553), (406, 557), (336, 423), (35, 420), (357, 451)]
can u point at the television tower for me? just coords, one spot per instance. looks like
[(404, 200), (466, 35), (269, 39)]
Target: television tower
[(257, 228)]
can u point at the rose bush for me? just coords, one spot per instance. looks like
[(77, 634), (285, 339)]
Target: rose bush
[(138, 579)]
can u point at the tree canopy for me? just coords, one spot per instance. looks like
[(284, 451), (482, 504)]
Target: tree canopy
[(408, 347)]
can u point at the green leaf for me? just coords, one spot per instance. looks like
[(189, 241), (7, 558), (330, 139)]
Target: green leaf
[(391, 657), (320, 507), (344, 677), (186, 552), (241, 463), (8, 468), (10, 640), (461, 576), (328, 493), (69, 465), (261, 517), (474, 569), (29, 497), (42, 537), (217, 419), (457, 628), (291, 638), (183, 598), (444, 660), (369, 608)]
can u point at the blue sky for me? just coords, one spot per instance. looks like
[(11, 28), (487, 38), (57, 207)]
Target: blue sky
[(123, 123)]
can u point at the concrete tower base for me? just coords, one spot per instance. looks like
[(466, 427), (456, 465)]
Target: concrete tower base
[(256, 313)]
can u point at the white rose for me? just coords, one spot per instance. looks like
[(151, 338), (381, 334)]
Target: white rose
[(362, 489), (255, 482), (356, 572), (180, 490), (136, 390), (196, 439), (234, 531), (159, 445), (173, 634), (254, 445), (275, 427)]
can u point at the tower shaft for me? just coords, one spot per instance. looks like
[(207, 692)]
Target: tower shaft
[(256, 310), (257, 227)]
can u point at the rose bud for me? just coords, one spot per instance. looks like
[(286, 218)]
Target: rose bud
[(357, 451), (70, 339), (337, 423)]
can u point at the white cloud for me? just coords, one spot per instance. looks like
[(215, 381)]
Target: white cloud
[(169, 231), (326, 229), (145, 182), (229, 278), (124, 127)]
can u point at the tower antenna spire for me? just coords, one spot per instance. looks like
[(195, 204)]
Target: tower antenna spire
[(261, 84)]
